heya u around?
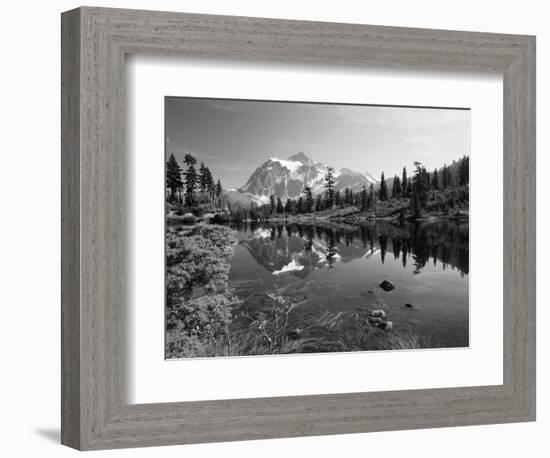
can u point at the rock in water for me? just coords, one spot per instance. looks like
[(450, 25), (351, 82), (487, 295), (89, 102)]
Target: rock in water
[(410, 306), (387, 285), (378, 313)]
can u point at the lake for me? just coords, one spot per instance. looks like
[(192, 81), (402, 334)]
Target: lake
[(335, 267)]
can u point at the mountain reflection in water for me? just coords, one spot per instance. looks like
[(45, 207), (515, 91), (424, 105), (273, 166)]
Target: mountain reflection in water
[(338, 267)]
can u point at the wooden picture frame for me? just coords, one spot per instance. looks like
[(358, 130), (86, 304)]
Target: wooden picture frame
[(95, 412)]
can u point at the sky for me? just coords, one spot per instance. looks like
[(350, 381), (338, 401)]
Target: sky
[(234, 137)]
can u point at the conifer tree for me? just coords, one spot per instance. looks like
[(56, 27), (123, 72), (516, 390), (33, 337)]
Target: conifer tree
[(404, 183), (173, 177), (318, 203), (329, 187), (308, 200), (300, 205), (371, 197), (383, 191), (435, 179), (190, 180), (337, 198), (364, 198), (279, 206), (272, 204)]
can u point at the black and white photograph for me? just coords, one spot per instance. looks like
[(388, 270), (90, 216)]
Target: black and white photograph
[(298, 227)]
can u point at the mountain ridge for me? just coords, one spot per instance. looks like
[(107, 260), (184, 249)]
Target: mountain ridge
[(287, 178)]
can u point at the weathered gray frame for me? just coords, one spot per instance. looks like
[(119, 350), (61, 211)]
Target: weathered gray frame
[(95, 414)]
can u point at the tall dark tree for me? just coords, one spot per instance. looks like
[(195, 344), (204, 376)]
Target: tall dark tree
[(347, 199), (280, 207), (435, 179), (396, 191), (404, 183), (420, 188), (351, 197), (337, 198), (371, 197), (383, 191), (308, 200), (190, 180), (364, 199), (300, 205), (272, 204), (202, 179), (329, 187), (173, 177), (219, 189), (318, 203), (464, 171)]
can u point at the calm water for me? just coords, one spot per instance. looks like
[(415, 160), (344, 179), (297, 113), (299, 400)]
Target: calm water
[(338, 267)]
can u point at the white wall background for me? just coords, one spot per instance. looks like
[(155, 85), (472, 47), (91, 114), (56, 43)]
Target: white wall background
[(29, 227)]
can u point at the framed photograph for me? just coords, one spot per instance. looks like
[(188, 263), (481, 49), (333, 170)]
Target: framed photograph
[(335, 220)]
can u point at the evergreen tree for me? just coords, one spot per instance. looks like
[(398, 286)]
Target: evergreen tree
[(219, 189), (318, 203), (383, 191), (300, 205), (173, 177), (210, 185), (347, 199), (202, 179), (190, 180), (308, 200), (371, 197), (329, 187), (420, 188), (464, 171), (351, 197), (364, 199), (288, 206), (435, 179), (279, 206), (404, 183), (272, 204), (337, 198)]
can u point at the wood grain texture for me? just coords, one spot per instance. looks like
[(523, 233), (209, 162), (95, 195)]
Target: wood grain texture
[(95, 413)]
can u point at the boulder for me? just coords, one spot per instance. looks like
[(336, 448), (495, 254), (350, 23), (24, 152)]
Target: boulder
[(387, 285), (378, 313)]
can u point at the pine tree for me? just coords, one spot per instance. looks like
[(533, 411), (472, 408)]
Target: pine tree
[(272, 204), (397, 184), (463, 171), (435, 179), (190, 180), (337, 198), (210, 185), (371, 197), (279, 206), (202, 178), (347, 200), (173, 177), (383, 191), (300, 205), (219, 189), (404, 183), (364, 199), (318, 203), (329, 187), (351, 197), (308, 200)]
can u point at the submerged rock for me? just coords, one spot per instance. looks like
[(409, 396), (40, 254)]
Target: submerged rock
[(386, 325), (387, 285)]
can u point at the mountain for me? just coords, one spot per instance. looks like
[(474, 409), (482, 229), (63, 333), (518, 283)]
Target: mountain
[(286, 178)]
